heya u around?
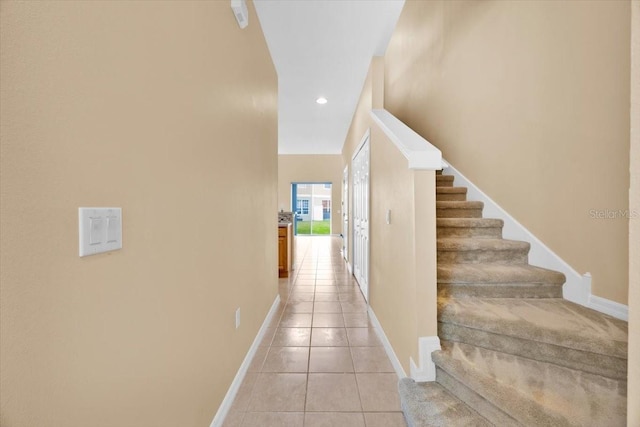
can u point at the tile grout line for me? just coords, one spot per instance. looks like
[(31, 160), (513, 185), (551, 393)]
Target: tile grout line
[(336, 280), (306, 390)]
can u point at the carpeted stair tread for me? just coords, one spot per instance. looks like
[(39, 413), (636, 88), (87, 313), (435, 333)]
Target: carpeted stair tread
[(554, 321), (551, 330), (460, 204), (444, 180), (500, 290), (497, 273), (531, 392), (451, 190), (462, 244), (430, 405), (469, 227), (465, 250), (469, 222), (498, 281), (451, 193), (459, 209)]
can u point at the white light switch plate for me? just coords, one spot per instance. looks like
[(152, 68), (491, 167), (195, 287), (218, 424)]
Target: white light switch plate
[(100, 230)]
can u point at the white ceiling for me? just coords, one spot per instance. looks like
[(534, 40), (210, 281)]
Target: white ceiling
[(322, 48)]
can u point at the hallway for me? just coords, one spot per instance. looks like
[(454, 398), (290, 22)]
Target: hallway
[(321, 362)]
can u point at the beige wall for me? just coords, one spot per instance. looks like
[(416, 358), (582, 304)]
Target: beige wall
[(633, 395), (530, 100), (311, 168), (168, 110), (402, 278), (392, 275)]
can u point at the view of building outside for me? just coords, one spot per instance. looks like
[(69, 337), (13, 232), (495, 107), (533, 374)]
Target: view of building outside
[(313, 208)]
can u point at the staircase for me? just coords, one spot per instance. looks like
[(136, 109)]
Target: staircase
[(514, 353)]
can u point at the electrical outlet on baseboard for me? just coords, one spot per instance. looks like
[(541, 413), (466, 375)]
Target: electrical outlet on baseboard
[(237, 317)]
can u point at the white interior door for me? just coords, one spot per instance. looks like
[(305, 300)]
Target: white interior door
[(345, 214), (360, 172)]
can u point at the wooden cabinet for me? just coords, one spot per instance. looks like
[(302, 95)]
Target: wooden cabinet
[(285, 247), (282, 250)]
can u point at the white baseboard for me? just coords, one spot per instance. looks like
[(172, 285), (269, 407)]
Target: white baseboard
[(223, 410), (397, 366), (426, 370), (612, 308), (577, 287)]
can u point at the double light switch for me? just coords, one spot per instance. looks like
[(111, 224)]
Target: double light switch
[(100, 230)]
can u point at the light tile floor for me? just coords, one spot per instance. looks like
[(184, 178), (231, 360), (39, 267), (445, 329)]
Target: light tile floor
[(321, 363)]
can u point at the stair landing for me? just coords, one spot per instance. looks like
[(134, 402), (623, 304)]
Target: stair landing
[(534, 393)]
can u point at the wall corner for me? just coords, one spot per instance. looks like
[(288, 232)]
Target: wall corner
[(425, 371), (377, 82)]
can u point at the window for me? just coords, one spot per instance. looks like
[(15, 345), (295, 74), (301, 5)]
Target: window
[(326, 209), (302, 206), (328, 186)]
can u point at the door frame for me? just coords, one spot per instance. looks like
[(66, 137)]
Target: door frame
[(345, 216), (363, 282), (294, 197)]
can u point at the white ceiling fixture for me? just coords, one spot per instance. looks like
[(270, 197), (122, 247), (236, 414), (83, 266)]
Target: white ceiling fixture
[(322, 46), (322, 100)]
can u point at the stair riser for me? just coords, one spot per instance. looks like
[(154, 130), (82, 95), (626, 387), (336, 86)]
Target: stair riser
[(451, 197), (492, 290), (458, 212), (606, 366), (510, 256), (471, 232), (481, 405)]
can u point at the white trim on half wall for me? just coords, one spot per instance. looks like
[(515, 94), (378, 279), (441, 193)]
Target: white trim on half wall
[(395, 362), (426, 370)]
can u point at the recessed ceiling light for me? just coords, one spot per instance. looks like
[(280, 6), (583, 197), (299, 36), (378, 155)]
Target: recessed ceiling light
[(322, 100)]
